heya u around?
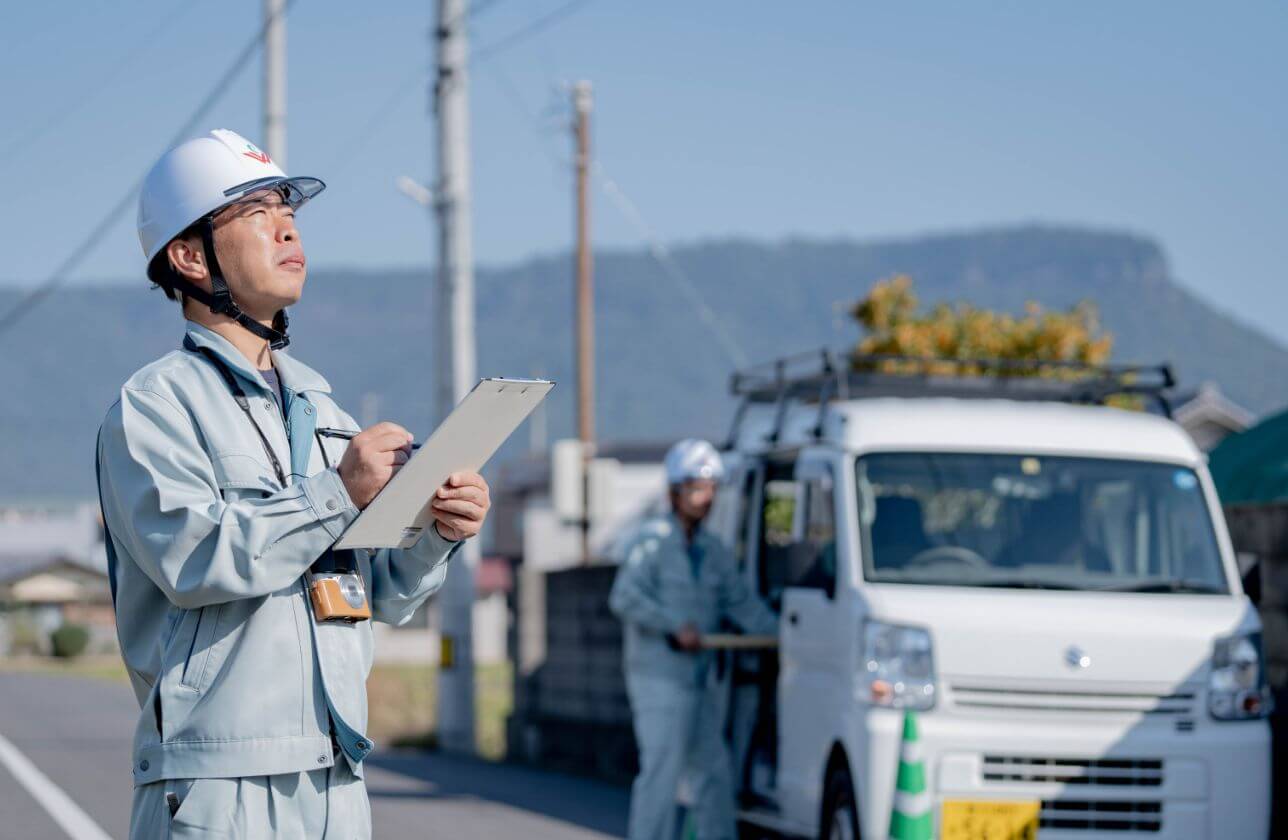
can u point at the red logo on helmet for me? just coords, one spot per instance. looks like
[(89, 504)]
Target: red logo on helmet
[(256, 154)]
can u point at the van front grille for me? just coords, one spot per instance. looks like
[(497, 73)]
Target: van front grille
[(1101, 815), (991, 698), (1108, 772)]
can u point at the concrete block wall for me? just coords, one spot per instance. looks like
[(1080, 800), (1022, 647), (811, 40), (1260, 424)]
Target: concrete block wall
[(571, 710)]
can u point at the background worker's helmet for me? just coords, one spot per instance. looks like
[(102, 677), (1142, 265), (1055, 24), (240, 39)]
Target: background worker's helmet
[(188, 186), (692, 458)]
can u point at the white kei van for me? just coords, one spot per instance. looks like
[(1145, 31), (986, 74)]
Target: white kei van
[(1047, 581)]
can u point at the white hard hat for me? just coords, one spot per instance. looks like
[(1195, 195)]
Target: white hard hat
[(692, 458), (188, 185), (199, 176)]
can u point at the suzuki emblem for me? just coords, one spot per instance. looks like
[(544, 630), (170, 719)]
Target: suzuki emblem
[(1074, 657)]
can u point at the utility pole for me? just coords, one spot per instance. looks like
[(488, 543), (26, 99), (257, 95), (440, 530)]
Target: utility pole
[(454, 352), (581, 101), (274, 136)]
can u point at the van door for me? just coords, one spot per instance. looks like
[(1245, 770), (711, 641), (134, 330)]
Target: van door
[(813, 650)]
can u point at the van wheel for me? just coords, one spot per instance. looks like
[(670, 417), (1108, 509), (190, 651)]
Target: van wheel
[(840, 814)]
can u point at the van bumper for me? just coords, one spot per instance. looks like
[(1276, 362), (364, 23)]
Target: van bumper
[(1142, 778)]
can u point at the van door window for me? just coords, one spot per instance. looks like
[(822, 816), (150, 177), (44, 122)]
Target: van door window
[(798, 533), (819, 535)]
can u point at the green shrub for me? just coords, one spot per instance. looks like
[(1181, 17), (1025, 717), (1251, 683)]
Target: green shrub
[(69, 640)]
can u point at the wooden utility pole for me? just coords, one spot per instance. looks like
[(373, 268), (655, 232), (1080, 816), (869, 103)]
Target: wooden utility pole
[(581, 101)]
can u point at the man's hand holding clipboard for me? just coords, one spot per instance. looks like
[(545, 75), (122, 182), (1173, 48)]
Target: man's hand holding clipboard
[(460, 506)]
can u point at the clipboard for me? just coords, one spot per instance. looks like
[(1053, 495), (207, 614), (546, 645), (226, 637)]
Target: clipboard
[(471, 434)]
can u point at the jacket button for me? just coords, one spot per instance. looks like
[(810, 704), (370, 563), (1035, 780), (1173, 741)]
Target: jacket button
[(330, 504), (308, 410), (362, 745), (143, 765)]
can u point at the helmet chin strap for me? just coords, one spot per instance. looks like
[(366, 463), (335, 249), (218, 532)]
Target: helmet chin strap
[(221, 301)]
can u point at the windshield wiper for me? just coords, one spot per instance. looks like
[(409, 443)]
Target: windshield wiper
[(1165, 585), (1016, 583)]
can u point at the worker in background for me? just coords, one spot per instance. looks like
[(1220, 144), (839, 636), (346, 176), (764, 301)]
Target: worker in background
[(675, 583)]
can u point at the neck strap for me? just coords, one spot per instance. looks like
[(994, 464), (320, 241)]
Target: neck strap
[(220, 298), (240, 396)]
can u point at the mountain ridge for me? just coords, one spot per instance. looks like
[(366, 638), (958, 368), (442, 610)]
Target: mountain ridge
[(661, 374)]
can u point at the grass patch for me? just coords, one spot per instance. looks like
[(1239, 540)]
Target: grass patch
[(402, 706)]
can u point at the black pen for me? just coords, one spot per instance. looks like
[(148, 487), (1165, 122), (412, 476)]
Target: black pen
[(343, 434)]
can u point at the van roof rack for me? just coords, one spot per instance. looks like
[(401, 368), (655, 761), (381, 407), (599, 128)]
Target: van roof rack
[(825, 375)]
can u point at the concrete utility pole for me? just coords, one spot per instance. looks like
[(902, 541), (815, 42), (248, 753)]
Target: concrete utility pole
[(454, 352), (581, 101), (274, 129)]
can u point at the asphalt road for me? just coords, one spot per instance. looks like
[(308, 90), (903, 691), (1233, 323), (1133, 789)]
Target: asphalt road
[(77, 731)]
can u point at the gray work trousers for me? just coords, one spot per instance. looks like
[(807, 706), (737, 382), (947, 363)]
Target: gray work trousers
[(678, 729), (329, 803)]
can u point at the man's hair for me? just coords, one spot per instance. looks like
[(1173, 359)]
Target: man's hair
[(162, 273)]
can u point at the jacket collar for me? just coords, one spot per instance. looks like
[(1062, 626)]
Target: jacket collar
[(677, 528), (295, 375)]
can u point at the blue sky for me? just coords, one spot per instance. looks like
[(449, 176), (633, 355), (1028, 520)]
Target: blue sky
[(716, 118)]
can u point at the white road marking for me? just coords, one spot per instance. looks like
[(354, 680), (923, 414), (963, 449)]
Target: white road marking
[(61, 807)]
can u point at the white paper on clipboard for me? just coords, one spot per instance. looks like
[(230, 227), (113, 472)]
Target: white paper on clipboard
[(469, 436)]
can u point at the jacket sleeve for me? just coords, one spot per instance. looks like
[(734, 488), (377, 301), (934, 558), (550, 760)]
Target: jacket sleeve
[(739, 603), (162, 504), (403, 579), (634, 597)]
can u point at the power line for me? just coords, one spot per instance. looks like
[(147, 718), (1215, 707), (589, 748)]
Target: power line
[(59, 275), (662, 254), (657, 248), (375, 122), (104, 81), (521, 35)]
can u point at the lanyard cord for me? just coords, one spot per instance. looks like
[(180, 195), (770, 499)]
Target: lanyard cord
[(339, 558), (240, 396)]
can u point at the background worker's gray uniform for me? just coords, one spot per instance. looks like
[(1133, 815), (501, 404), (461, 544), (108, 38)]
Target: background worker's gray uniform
[(206, 551), (665, 582)]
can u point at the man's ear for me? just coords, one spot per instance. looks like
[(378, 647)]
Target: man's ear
[(188, 258)]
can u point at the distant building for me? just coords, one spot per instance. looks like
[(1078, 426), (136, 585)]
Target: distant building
[(526, 527), (1209, 416), (53, 570)]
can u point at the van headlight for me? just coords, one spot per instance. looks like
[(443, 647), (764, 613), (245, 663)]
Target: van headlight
[(1237, 688), (900, 665)]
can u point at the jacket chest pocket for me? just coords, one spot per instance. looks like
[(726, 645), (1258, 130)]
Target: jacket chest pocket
[(241, 475)]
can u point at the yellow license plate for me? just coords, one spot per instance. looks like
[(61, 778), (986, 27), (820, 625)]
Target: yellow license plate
[(987, 819)]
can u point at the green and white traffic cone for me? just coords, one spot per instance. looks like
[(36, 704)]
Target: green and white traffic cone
[(911, 818)]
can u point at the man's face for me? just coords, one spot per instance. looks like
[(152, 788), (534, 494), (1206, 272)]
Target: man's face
[(260, 254), (692, 500)]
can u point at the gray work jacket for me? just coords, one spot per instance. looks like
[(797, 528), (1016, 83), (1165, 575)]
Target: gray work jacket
[(656, 593), (207, 551)]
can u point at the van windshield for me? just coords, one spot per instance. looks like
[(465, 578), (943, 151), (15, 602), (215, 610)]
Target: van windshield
[(1036, 522)]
